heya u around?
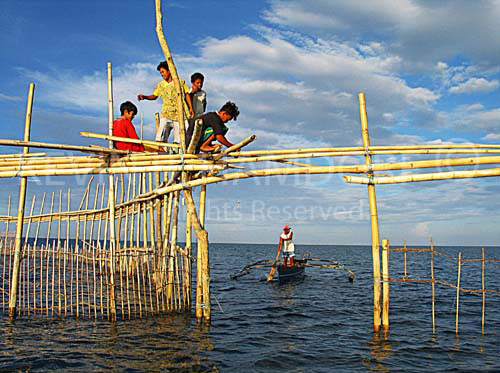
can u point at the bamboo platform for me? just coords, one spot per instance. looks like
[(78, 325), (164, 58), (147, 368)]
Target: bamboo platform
[(117, 255)]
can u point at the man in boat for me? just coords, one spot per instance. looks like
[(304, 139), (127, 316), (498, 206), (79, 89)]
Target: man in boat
[(286, 243)]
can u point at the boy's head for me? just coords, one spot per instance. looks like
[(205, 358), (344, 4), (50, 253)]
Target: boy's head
[(163, 69), (128, 107), (229, 111), (197, 80)]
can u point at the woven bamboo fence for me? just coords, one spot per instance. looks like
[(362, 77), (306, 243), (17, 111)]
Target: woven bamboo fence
[(66, 271)]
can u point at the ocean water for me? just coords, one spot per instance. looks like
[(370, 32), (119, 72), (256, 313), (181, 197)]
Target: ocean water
[(323, 323)]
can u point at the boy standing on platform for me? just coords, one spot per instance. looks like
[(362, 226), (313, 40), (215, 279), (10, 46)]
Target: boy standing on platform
[(169, 117), (198, 95), (123, 127)]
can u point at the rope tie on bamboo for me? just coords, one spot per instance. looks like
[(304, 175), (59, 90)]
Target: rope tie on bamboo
[(21, 161)]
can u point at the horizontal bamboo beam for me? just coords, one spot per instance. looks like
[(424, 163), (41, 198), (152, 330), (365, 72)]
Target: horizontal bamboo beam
[(110, 170), (423, 177), (128, 140), (84, 149), (362, 149), (20, 156)]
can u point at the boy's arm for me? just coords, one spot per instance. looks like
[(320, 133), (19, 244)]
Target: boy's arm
[(144, 97), (223, 140), (190, 104)]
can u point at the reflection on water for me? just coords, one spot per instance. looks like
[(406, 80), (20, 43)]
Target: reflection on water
[(171, 344), (380, 350)]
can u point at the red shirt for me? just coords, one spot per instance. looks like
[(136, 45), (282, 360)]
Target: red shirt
[(125, 128)]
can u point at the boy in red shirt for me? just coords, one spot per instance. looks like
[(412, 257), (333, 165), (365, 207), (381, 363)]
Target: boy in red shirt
[(123, 127)]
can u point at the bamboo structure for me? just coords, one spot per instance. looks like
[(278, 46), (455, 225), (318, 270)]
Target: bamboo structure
[(132, 264)]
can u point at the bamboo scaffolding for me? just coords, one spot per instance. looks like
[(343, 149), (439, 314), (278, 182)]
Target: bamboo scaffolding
[(20, 212)]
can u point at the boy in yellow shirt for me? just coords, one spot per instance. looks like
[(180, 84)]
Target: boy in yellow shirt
[(169, 118)]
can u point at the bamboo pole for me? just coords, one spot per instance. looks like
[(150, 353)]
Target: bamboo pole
[(187, 263), (386, 278), (83, 149), (458, 291), (29, 220), (173, 72), (128, 140), (483, 293), (20, 156), (50, 220), (173, 244), (424, 177), (373, 216), (433, 289), (235, 147), (20, 212), (111, 198), (405, 276)]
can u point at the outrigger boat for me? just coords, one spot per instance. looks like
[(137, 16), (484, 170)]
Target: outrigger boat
[(292, 272)]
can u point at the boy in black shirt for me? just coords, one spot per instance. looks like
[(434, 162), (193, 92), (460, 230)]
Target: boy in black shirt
[(214, 128)]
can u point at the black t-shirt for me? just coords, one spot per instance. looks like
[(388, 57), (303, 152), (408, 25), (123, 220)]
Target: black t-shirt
[(209, 120)]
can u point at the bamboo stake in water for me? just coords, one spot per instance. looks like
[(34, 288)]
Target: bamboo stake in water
[(112, 233), (50, 220), (20, 213), (29, 220), (405, 276), (433, 289), (385, 272), (484, 294), (458, 291)]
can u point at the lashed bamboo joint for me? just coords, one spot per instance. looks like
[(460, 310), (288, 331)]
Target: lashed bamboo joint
[(119, 254)]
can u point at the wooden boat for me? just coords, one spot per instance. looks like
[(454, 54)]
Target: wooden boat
[(294, 272)]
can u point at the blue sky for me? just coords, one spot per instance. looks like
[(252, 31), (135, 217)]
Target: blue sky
[(430, 71)]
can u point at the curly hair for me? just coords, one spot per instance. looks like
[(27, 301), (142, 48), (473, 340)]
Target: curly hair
[(230, 108)]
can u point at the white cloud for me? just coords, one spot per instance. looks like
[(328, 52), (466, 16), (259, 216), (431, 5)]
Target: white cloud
[(10, 98), (492, 137), (474, 85)]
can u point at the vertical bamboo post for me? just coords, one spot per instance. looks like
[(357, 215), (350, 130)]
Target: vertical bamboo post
[(458, 291), (20, 212), (39, 220), (405, 276), (173, 72), (199, 278), (433, 283), (484, 294), (187, 262), (111, 197), (385, 272), (373, 216)]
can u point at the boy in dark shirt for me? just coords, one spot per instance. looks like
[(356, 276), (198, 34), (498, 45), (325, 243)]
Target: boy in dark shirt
[(214, 128)]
